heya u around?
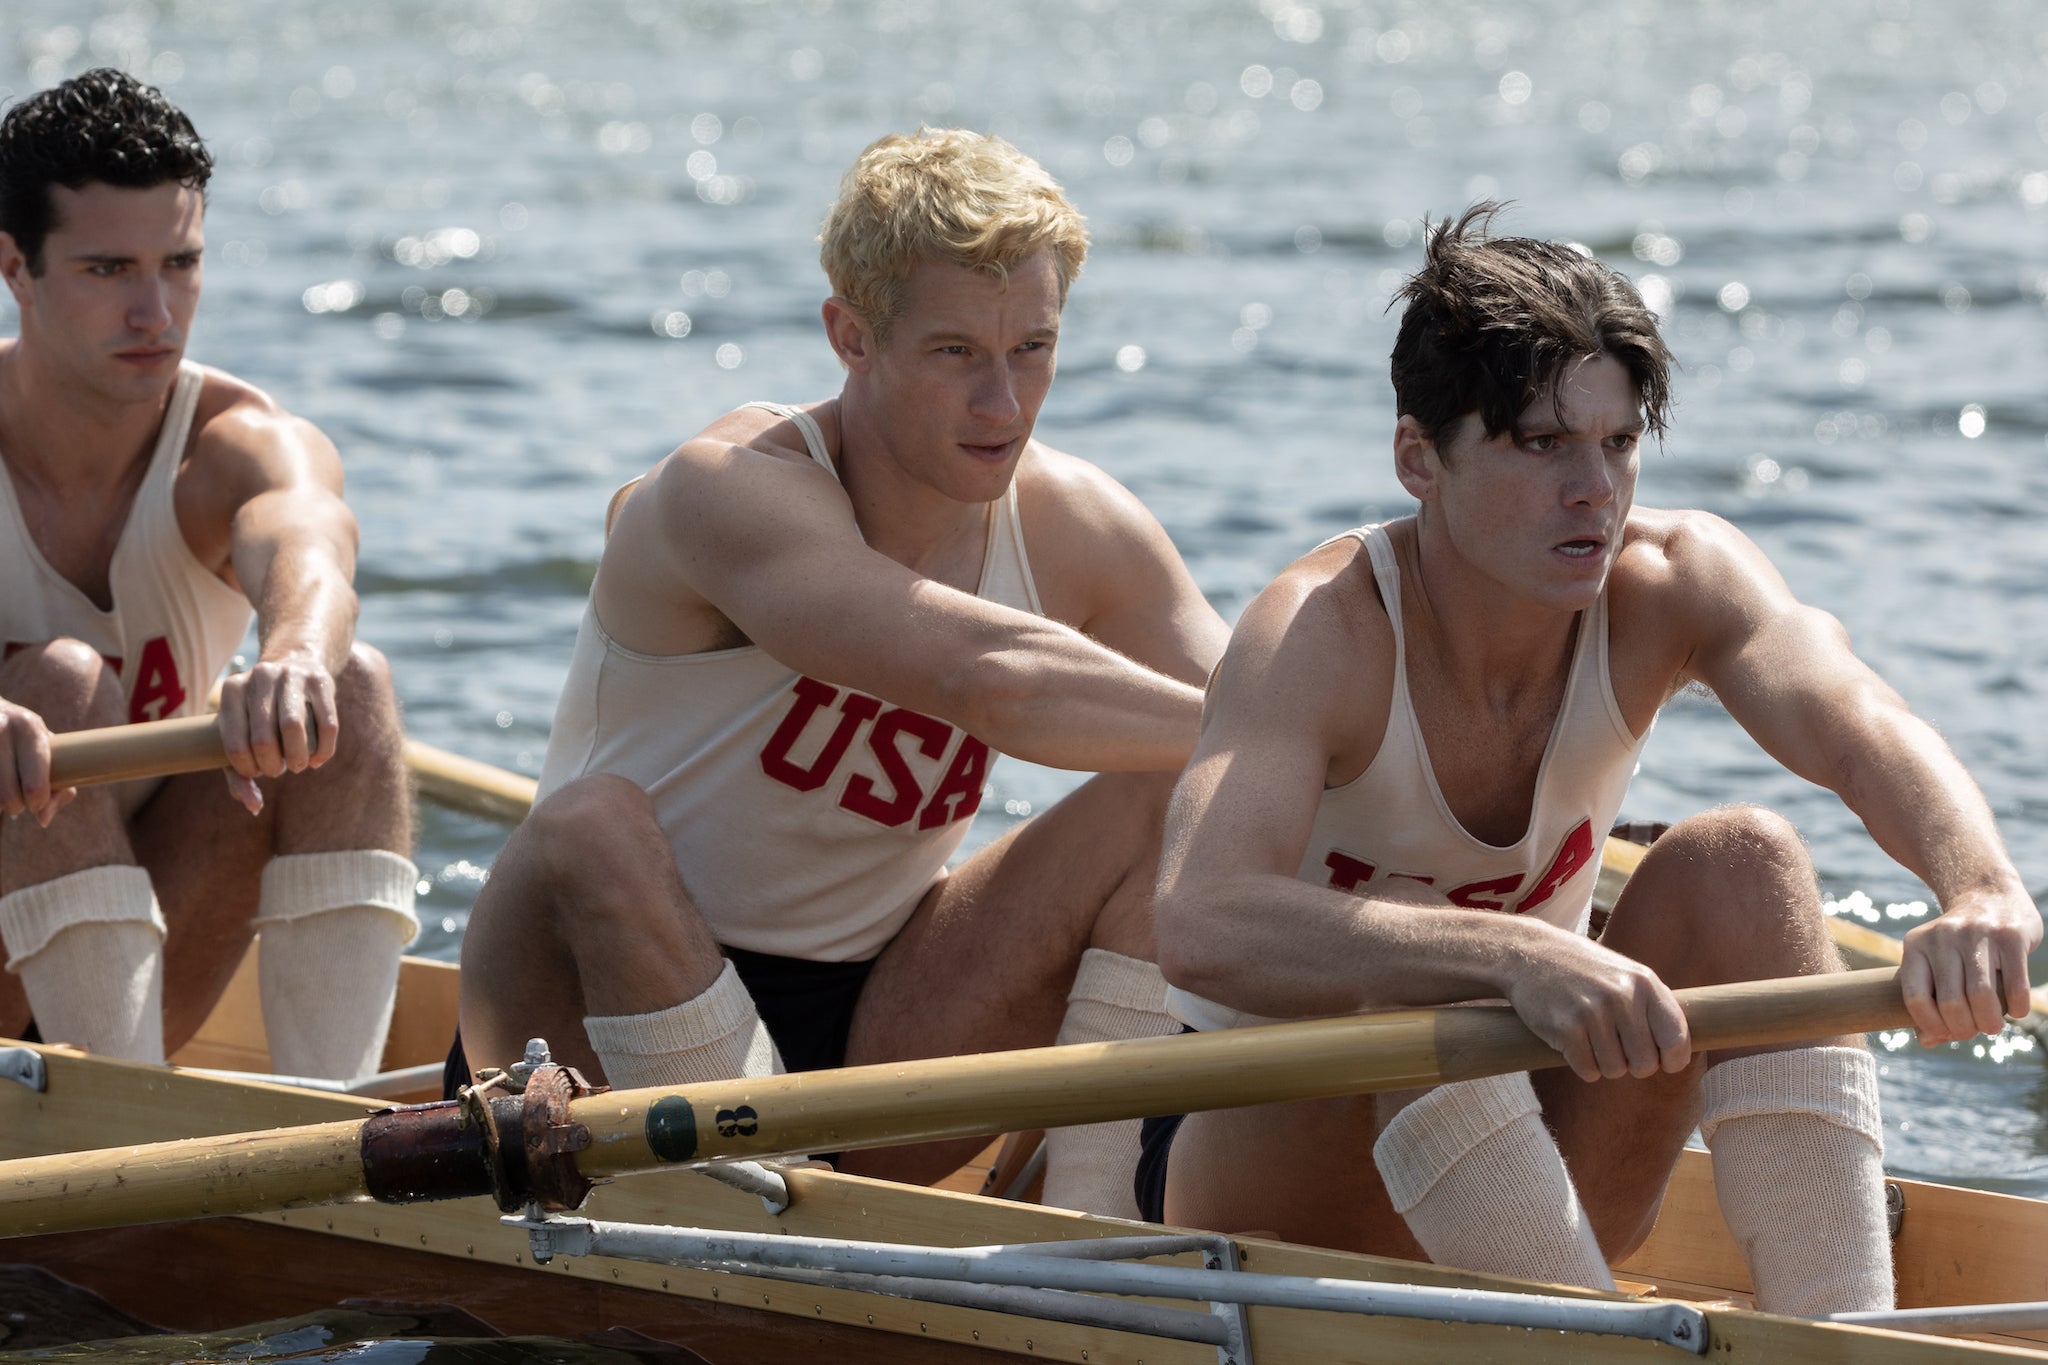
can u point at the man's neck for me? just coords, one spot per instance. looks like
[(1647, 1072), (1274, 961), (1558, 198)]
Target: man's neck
[(1488, 644), (59, 435), (913, 523)]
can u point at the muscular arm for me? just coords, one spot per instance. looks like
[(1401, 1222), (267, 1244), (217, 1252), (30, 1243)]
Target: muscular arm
[(1787, 674), (1237, 926), (770, 544), (291, 547), (1120, 580)]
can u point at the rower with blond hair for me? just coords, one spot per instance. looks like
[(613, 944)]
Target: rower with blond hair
[(812, 629)]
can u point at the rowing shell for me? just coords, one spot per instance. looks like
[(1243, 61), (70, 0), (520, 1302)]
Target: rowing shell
[(1954, 1246)]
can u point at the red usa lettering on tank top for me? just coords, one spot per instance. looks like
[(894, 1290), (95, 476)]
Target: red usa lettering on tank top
[(956, 796), (158, 694), (1574, 852)]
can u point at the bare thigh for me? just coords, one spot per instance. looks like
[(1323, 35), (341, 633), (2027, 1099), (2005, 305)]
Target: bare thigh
[(987, 960)]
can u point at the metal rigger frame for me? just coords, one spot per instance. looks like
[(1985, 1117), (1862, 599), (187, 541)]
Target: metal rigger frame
[(1064, 1281)]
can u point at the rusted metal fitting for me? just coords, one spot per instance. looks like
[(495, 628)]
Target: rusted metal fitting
[(548, 1142), (516, 1148)]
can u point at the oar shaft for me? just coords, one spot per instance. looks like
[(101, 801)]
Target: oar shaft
[(192, 1178), (957, 1097), (467, 785), (157, 748)]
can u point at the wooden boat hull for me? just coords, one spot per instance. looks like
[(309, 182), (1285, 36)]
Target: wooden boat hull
[(1955, 1246)]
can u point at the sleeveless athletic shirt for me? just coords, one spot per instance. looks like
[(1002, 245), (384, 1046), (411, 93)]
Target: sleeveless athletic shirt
[(1391, 821), (173, 623), (807, 819)]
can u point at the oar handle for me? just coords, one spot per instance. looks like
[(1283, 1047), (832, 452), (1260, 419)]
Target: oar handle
[(156, 748)]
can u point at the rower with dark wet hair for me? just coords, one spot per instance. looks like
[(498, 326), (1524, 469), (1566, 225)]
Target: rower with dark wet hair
[(1411, 751)]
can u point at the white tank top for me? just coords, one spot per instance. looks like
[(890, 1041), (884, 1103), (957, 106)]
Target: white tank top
[(173, 623), (1549, 872), (807, 819)]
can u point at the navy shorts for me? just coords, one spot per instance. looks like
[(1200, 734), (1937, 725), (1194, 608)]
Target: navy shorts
[(1155, 1143), (807, 1007)]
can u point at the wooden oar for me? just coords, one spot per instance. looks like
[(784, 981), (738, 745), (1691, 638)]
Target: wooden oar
[(192, 744), (438, 1151), (154, 748), (1859, 945), (467, 785)]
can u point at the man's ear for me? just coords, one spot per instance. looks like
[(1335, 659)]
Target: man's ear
[(851, 337), (1417, 462), (14, 269)]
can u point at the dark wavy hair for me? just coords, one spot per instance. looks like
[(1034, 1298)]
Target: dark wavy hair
[(1492, 323), (102, 126)]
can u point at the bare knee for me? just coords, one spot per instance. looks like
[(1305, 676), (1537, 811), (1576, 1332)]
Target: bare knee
[(1739, 836), (590, 813), (601, 827), (365, 694), (366, 676), (1728, 894), (66, 682)]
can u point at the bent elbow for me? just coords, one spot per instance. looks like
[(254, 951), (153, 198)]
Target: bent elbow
[(992, 693), (1192, 954)]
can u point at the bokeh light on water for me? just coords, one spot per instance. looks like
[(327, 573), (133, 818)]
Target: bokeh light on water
[(509, 252)]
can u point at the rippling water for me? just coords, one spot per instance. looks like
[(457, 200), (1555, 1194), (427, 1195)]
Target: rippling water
[(509, 253)]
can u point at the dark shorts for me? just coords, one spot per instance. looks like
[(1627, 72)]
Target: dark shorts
[(806, 1006), (1155, 1143)]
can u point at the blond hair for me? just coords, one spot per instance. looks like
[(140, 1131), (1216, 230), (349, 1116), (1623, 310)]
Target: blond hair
[(946, 195)]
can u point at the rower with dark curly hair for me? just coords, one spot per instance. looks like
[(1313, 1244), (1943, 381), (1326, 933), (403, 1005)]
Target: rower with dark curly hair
[(150, 508)]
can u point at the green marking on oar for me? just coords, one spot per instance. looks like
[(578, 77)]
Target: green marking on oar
[(672, 1129)]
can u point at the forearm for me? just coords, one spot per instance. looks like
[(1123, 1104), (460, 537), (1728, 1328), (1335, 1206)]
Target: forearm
[(1281, 947), (306, 607), (1057, 698), (1922, 808)]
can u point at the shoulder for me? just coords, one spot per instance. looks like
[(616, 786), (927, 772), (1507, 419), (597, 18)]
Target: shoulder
[(1083, 528), (1324, 608), (738, 488), (731, 453), (1314, 651), (243, 433), (1058, 492), (245, 444), (1689, 565)]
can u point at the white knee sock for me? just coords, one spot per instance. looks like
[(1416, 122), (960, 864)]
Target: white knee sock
[(1480, 1181), (1799, 1167), (333, 926), (1091, 1167), (715, 1036), (89, 949)]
